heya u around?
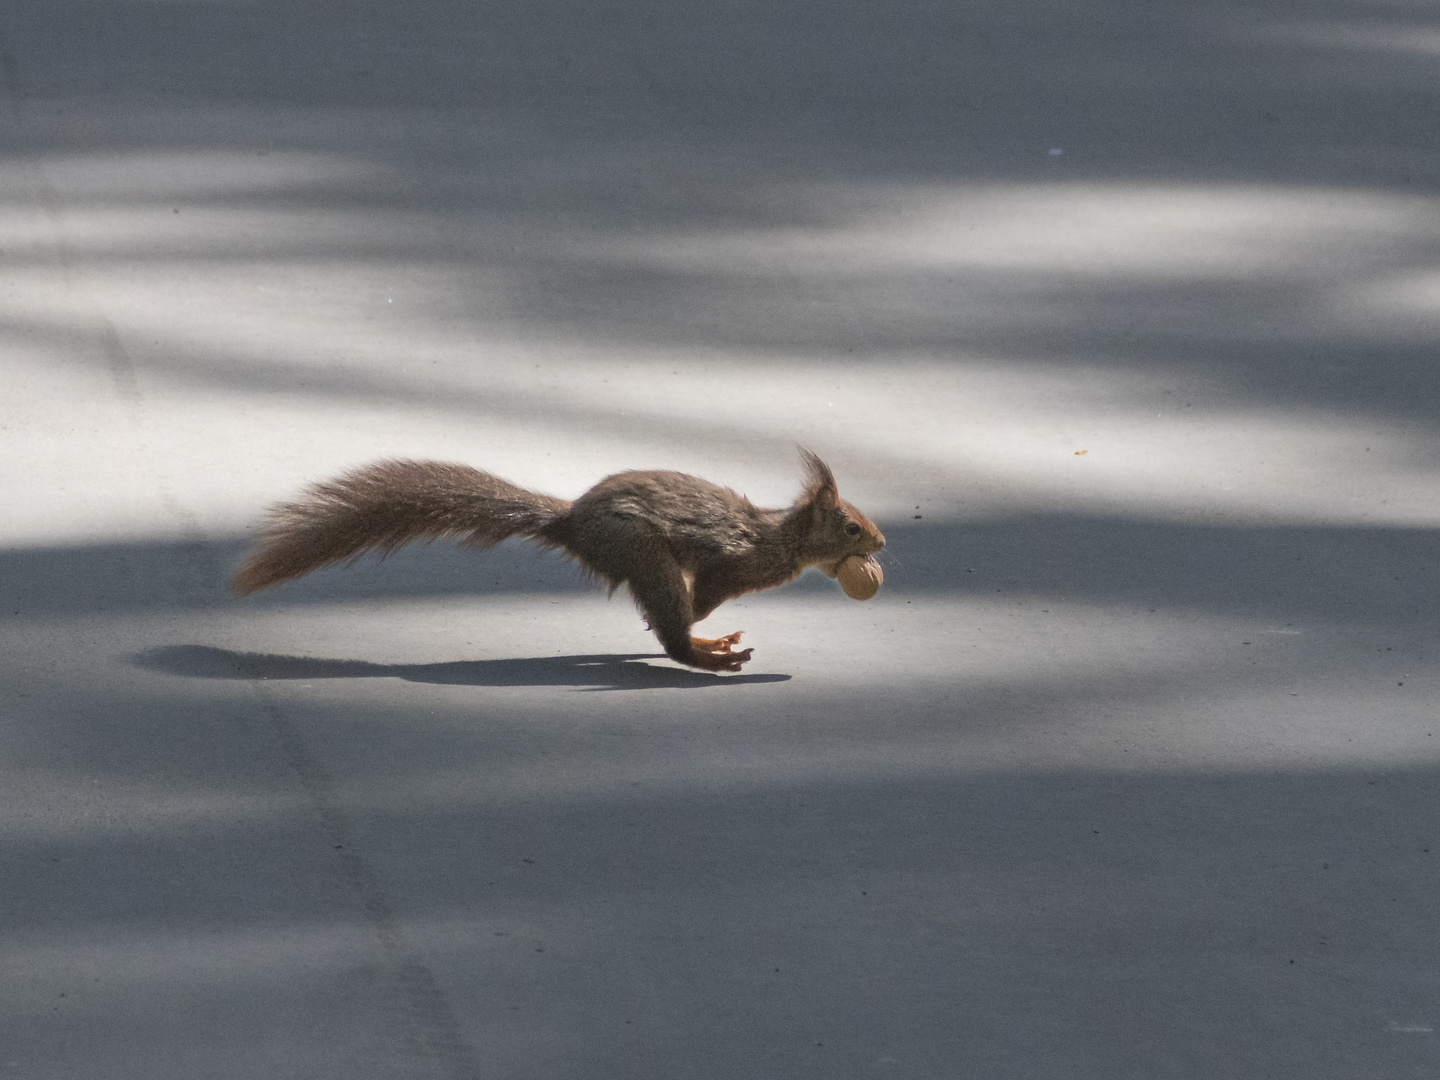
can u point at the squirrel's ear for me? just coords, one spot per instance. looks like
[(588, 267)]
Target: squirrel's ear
[(819, 481)]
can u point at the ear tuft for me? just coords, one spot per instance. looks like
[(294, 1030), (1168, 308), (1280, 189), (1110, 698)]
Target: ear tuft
[(819, 481)]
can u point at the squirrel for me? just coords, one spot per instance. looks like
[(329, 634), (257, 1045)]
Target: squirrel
[(681, 544)]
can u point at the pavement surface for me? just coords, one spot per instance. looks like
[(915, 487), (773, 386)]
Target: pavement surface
[(1121, 318)]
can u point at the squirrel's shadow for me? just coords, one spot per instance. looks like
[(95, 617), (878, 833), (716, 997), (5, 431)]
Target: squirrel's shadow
[(602, 671)]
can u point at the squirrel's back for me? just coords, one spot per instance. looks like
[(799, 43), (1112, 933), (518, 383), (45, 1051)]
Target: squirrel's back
[(690, 513), (632, 522)]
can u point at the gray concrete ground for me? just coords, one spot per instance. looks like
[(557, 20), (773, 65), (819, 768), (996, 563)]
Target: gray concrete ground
[(1120, 317)]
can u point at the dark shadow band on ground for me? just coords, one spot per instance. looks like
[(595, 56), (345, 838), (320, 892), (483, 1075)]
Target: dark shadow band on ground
[(599, 671), (1316, 573)]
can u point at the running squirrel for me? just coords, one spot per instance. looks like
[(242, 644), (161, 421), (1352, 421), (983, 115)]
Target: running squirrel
[(683, 545)]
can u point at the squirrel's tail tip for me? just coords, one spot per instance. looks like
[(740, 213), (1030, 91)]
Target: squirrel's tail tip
[(251, 578), (243, 586)]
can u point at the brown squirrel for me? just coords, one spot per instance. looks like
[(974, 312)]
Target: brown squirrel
[(683, 545)]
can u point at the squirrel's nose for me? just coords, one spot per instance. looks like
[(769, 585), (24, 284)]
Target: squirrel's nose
[(879, 539)]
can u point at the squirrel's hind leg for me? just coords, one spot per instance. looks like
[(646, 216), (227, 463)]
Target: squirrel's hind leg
[(664, 597)]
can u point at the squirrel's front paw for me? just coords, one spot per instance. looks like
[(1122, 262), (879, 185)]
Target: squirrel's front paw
[(717, 645), (714, 654)]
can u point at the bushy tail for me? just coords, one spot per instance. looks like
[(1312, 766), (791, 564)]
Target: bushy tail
[(385, 506)]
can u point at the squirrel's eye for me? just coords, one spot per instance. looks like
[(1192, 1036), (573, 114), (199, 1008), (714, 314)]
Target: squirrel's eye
[(853, 528)]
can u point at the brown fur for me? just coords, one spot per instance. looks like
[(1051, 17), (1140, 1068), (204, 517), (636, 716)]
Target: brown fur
[(683, 545)]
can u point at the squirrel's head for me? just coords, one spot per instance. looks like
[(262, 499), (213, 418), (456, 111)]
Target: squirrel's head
[(833, 529)]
